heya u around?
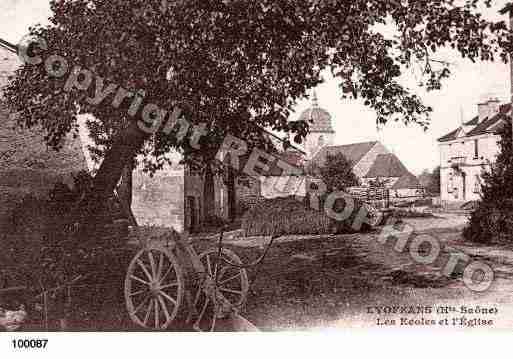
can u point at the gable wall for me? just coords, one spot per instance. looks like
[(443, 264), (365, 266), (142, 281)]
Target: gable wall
[(362, 167)]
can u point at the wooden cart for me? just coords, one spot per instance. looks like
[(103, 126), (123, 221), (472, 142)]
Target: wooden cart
[(169, 283)]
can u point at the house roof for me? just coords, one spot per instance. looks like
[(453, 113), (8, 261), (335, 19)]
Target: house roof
[(407, 181), (488, 125), (354, 152), (387, 165)]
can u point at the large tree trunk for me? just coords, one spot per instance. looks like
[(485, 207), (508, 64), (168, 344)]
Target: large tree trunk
[(125, 192), (209, 196), (125, 185), (126, 144)]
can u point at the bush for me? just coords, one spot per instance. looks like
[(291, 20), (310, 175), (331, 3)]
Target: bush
[(288, 215), (492, 220), (40, 252)]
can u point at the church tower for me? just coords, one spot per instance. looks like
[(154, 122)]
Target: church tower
[(321, 130)]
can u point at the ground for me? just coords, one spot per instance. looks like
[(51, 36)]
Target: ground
[(319, 282), (333, 282)]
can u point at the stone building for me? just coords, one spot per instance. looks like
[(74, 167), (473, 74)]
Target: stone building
[(469, 150), (27, 166), (370, 160)]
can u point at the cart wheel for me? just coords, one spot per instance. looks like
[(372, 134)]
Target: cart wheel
[(154, 288), (231, 288)]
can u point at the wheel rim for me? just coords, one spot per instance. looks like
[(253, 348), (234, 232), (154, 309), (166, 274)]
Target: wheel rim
[(154, 288), (232, 284)]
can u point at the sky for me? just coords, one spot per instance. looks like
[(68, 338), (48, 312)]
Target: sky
[(353, 122)]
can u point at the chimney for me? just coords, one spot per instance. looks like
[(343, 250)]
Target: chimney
[(488, 109)]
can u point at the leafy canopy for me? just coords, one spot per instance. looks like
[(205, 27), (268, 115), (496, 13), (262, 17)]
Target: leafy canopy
[(337, 173), (492, 220), (233, 64)]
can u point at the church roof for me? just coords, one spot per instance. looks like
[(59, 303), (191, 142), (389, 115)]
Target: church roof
[(318, 119), (387, 165), (354, 152)]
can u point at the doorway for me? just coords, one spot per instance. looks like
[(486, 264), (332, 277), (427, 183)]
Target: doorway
[(192, 213)]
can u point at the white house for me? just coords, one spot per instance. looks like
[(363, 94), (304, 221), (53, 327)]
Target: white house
[(469, 150)]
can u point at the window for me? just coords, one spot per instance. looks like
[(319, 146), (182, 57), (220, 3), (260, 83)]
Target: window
[(477, 184), (476, 149), (450, 184)]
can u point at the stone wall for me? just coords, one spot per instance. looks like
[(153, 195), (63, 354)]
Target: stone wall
[(174, 198), (159, 201), (27, 166)]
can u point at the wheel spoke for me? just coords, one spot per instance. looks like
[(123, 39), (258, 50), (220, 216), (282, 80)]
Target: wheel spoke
[(164, 307), (140, 305), (202, 313), (165, 295), (148, 311), (231, 278), (167, 272), (222, 289), (161, 266), (170, 285), (141, 264), (139, 279), (138, 292), (157, 324), (152, 264)]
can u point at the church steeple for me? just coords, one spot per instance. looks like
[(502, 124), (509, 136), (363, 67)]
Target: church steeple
[(321, 131), (315, 101)]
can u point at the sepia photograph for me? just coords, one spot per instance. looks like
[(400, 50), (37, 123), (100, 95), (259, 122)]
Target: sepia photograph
[(169, 167)]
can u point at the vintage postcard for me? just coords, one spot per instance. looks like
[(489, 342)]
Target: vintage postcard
[(255, 165)]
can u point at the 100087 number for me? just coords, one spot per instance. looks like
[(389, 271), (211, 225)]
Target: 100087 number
[(29, 343)]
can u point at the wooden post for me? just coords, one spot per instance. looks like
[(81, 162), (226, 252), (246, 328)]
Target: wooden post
[(511, 61)]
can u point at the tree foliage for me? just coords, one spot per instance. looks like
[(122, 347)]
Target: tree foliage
[(234, 64), (492, 221), (337, 173), (431, 181)]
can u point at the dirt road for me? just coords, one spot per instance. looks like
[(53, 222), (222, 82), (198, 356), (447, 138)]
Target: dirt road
[(345, 281)]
